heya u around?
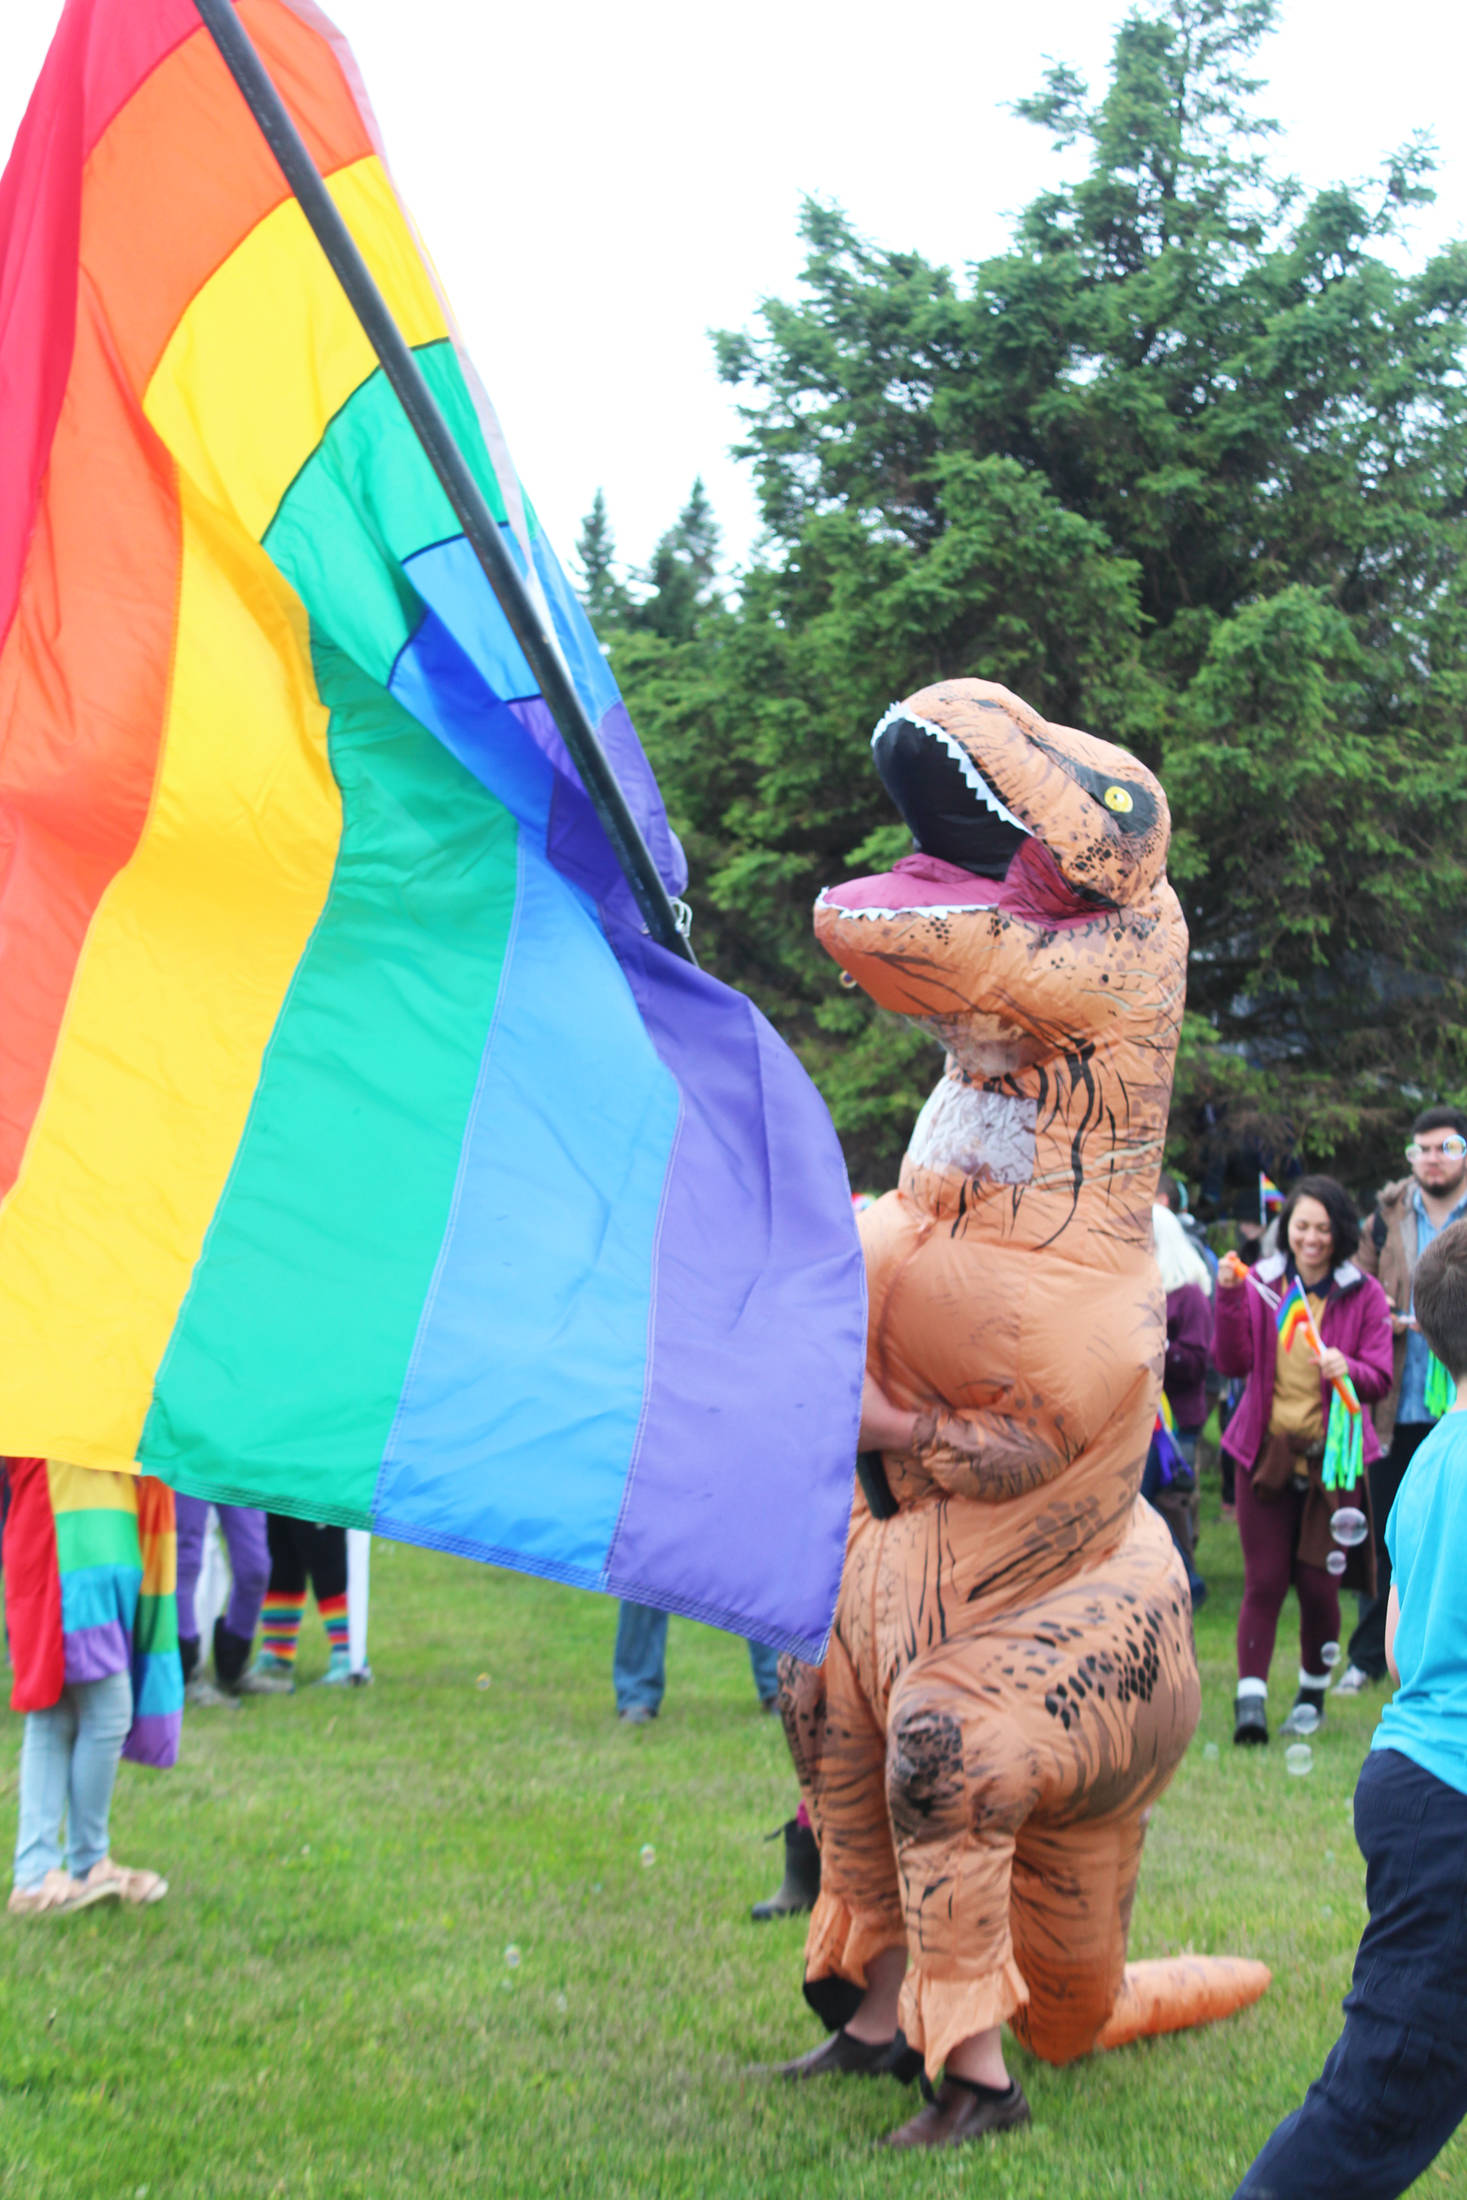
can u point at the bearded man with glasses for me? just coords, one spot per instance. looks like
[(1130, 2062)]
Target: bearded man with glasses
[(1408, 1215)]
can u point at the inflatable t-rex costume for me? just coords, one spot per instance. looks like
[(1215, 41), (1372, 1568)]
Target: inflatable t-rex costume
[(1011, 1679)]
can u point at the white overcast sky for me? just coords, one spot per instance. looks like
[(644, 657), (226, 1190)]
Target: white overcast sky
[(601, 185)]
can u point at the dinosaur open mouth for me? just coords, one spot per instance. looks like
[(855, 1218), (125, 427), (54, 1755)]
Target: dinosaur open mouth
[(971, 851), (949, 808)]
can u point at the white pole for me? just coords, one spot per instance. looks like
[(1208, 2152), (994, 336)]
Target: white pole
[(358, 1594), (212, 1593)]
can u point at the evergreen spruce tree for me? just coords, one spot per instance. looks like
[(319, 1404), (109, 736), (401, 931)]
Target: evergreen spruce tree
[(1184, 465), (602, 593)]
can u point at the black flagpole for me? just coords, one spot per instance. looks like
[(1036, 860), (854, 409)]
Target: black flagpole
[(443, 454)]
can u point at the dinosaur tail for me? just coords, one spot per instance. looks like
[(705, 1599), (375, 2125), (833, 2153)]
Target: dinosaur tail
[(1179, 1991)]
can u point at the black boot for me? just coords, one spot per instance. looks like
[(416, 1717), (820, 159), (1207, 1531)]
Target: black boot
[(231, 1655), (801, 1882), (1250, 1719), (188, 1656)]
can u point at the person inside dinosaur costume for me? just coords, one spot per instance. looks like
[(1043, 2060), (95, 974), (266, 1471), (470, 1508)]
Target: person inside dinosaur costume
[(1011, 1679)]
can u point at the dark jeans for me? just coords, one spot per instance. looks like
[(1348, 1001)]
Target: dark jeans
[(1394, 2088), (639, 1662), (1367, 1644)]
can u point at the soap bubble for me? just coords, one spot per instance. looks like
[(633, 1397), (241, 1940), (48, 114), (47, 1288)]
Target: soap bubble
[(482, 1681), (1349, 1527), (512, 1957), (1209, 1753), (562, 2003), (1335, 1564), (647, 1856), (1330, 1654), (1304, 1719), (1299, 1759)]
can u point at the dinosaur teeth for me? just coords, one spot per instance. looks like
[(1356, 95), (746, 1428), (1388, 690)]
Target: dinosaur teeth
[(971, 774), (921, 909)]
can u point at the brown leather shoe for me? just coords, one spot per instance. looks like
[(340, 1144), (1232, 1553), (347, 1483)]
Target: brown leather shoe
[(842, 2057), (958, 2111)]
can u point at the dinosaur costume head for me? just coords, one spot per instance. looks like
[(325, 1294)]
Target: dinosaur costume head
[(1033, 931)]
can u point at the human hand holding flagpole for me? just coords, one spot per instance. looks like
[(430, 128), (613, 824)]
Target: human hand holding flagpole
[(1295, 1313)]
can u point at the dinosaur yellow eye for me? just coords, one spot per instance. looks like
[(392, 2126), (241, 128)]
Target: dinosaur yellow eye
[(1116, 798)]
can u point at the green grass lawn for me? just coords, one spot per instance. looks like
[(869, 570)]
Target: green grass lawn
[(461, 1933)]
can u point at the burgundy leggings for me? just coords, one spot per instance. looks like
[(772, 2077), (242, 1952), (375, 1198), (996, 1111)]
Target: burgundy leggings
[(1269, 1531)]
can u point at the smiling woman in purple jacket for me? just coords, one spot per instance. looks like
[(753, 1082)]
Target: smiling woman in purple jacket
[(1277, 1438)]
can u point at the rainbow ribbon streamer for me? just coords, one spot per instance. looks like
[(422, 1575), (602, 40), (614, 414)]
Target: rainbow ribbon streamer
[(1441, 1391), (1344, 1443)]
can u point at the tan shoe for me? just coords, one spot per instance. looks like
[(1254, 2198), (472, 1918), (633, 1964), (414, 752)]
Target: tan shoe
[(58, 1891), (109, 1882)]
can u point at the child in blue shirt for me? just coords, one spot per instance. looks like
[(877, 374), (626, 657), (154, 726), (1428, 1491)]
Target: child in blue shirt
[(1394, 2088)]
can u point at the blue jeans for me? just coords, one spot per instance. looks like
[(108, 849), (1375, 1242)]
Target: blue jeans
[(68, 1761), (1394, 2088), (639, 1662)]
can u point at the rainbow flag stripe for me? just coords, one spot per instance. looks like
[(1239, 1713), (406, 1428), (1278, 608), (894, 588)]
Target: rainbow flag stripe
[(360, 1155), (1270, 1198)]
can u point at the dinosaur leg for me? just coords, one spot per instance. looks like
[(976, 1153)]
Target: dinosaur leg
[(956, 1792), (1072, 1890), (840, 1756)]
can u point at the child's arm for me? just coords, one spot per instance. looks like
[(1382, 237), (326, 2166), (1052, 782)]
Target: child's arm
[(1393, 1614)]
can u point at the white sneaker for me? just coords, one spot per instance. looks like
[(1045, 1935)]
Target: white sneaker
[(1351, 1681)]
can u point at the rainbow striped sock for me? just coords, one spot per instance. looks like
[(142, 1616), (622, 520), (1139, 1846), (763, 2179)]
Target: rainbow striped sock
[(333, 1619), (280, 1625)]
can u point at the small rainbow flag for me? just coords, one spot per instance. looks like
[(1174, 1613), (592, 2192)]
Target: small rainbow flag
[(1294, 1315), (360, 1154), (1270, 1198), (1163, 1435)]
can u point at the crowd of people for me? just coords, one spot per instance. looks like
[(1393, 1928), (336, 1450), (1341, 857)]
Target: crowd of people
[(1276, 1403)]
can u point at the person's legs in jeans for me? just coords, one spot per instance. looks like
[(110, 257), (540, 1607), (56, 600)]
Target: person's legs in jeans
[(1386, 1474), (639, 1661), (103, 1716), (1394, 2087), (45, 1770), (764, 1665)]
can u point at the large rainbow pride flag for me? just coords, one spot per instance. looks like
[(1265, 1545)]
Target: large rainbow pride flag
[(361, 1156)]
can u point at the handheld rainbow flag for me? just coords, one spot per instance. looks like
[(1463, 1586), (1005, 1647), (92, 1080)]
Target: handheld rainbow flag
[(1293, 1315), (1270, 1198), (361, 1156), (1169, 1459)]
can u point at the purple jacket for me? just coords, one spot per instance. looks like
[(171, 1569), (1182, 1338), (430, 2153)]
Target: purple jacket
[(1188, 1338), (1357, 1319)]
